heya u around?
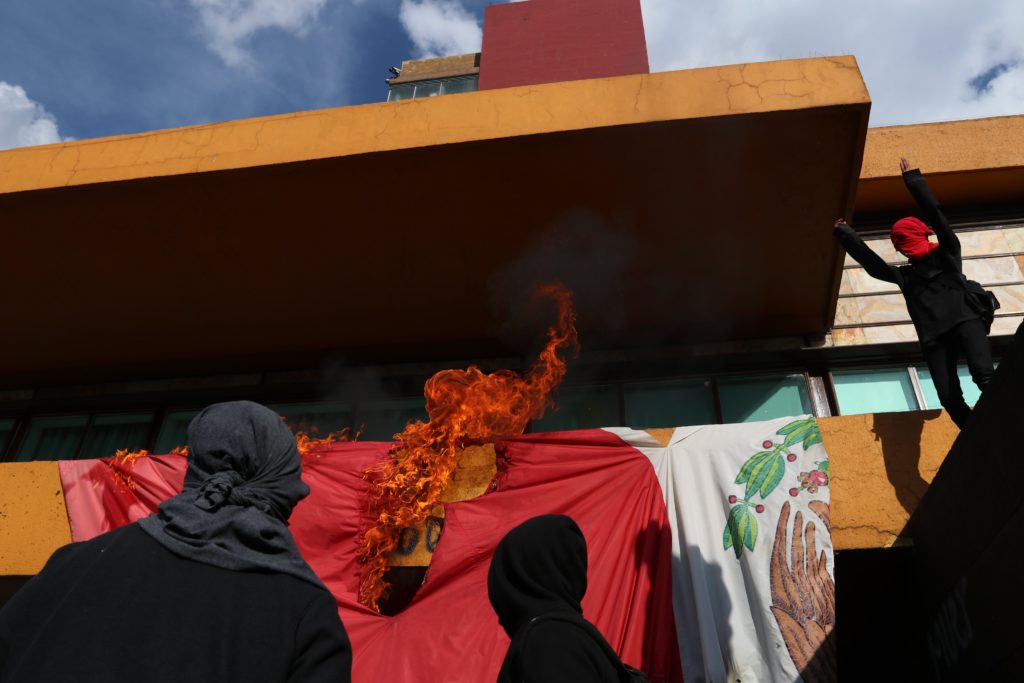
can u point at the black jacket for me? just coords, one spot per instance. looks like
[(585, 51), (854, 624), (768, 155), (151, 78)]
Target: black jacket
[(121, 607), (934, 287)]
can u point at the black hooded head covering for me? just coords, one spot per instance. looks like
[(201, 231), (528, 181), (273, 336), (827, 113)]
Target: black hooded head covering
[(242, 482), (540, 567)]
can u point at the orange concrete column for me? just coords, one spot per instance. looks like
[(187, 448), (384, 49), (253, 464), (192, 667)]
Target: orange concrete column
[(33, 518)]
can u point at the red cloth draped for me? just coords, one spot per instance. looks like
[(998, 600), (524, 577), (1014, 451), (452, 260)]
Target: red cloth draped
[(449, 632)]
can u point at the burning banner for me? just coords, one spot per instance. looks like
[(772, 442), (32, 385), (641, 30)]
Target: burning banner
[(463, 406)]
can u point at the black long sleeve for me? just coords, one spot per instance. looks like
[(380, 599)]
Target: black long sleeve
[(322, 649), (922, 194), (862, 254)]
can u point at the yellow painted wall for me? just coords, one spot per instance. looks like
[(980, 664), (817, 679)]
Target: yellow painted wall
[(881, 465), (33, 519)]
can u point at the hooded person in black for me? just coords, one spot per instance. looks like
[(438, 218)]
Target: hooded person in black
[(936, 293), (537, 578), (211, 587)]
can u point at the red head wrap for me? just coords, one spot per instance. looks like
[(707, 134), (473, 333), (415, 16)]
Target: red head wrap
[(910, 237)]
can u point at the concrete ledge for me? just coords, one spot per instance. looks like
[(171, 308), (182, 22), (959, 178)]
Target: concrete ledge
[(388, 126)]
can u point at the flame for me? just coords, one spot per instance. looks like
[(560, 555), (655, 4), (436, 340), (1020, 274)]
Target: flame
[(121, 465), (462, 405)]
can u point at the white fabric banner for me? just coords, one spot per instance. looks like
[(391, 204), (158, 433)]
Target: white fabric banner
[(753, 577)]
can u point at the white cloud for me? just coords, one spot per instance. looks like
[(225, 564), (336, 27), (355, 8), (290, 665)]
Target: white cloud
[(24, 122), (440, 27), (918, 57), (227, 25)]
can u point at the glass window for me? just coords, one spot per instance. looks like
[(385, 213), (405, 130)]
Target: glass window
[(669, 404), (763, 398), (316, 419), (931, 397), (581, 409), (53, 438), (174, 431), (380, 421), (428, 88), (111, 433), (451, 86), (874, 391), (402, 91), (6, 431)]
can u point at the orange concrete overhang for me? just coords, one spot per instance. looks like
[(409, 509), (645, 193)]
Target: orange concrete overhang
[(969, 164), (377, 229)]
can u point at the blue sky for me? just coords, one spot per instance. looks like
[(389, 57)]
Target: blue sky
[(87, 69)]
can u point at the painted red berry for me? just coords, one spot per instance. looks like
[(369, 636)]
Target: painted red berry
[(791, 457), (819, 478), (760, 508), (793, 492), (767, 444), (732, 499)]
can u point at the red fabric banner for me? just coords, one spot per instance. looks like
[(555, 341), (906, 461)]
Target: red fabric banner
[(449, 632)]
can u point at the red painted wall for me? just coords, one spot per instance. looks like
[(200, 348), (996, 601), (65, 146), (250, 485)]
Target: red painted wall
[(547, 41)]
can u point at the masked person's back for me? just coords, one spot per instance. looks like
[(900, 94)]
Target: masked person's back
[(210, 588), (537, 578)]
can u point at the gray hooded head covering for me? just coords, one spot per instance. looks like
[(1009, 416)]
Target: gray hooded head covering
[(244, 477)]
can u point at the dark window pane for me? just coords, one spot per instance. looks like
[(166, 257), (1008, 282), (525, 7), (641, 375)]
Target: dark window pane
[(581, 409), (53, 438), (380, 421), (6, 431), (428, 88), (174, 431), (874, 391), (763, 398), (669, 404), (403, 91), (316, 419), (111, 433), (451, 86)]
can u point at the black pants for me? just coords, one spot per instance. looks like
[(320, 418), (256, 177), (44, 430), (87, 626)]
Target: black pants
[(970, 339)]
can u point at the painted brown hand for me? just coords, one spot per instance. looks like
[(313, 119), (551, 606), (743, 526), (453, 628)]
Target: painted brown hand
[(804, 596)]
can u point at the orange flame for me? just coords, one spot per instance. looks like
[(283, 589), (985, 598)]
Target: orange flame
[(461, 405)]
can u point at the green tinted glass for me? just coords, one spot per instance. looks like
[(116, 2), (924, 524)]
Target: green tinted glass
[(668, 404), (763, 398), (581, 409), (53, 438), (874, 391), (111, 433), (931, 397), (173, 431)]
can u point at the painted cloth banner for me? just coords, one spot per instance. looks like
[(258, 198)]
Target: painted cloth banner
[(657, 518), (753, 565)]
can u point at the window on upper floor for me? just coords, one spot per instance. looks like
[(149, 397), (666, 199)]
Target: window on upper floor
[(432, 88)]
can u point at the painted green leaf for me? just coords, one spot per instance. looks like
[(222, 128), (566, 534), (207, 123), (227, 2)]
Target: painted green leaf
[(812, 439), (748, 529), (764, 472), (733, 530), (824, 467), (727, 538), (744, 474), (796, 424), (799, 434), (773, 476)]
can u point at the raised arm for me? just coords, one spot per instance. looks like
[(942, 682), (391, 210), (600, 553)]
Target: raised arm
[(921, 193), (862, 254)]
